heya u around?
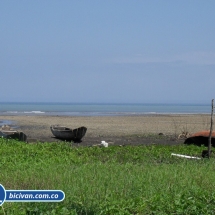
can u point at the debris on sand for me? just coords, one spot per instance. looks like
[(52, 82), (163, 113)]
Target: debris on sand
[(102, 144), (105, 144), (184, 135)]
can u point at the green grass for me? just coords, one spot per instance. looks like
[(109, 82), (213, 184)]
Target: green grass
[(113, 180)]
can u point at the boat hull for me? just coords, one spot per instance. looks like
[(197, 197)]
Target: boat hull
[(62, 132), (201, 138), (9, 133)]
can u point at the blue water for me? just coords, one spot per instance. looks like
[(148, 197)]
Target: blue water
[(70, 109)]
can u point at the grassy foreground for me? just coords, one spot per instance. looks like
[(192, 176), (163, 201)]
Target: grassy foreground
[(113, 180)]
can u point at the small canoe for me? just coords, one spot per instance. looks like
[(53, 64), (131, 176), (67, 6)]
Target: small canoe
[(9, 133), (201, 138), (65, 133)]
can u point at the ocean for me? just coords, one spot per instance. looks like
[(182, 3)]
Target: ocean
[(77, 109)]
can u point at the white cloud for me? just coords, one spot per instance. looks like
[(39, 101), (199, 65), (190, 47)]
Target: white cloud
[(203, 58), (206, 58)]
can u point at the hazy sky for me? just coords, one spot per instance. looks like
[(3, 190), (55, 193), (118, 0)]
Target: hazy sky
[(112, 51)]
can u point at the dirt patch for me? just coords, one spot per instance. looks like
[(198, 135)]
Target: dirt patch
[(115, 140)]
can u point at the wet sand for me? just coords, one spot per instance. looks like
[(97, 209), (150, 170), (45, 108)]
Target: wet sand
[(119, 130)]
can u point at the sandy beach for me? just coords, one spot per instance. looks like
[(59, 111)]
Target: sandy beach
[(123, 130)]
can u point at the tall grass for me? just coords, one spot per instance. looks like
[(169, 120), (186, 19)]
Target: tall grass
[(114, 180)]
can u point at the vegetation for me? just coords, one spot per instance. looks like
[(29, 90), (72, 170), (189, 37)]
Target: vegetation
[(113, 180)]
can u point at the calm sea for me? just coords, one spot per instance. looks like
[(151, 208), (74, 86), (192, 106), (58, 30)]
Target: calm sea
[(70, 109)]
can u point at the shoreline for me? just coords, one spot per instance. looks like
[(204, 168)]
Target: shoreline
[(119, 130), (95, 114)]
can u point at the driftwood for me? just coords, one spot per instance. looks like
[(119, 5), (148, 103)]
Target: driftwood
[(211, 129), (185, 156)]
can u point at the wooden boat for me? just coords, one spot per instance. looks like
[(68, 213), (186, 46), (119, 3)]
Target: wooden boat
[(7, 132), (65, 133), (201, 138)]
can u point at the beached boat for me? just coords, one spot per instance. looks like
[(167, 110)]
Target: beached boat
[(201, 138), (7, 132), (65, 133)]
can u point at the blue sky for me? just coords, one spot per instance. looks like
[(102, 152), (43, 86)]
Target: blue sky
[(157, 51)]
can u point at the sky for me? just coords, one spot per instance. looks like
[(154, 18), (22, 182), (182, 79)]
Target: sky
[(124, 51)]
